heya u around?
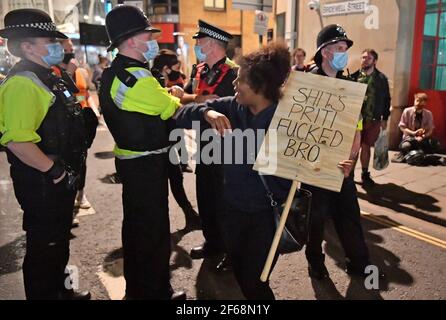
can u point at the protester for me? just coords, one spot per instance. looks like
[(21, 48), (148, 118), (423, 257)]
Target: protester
[(98, 70), (167, 66), (247, 222), (375, 110)]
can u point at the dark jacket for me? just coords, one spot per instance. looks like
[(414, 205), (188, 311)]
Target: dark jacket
[(381, 110), (243, 188)]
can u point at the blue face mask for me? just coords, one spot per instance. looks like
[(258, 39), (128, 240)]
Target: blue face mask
[(199, 54), (152, 49), (340, 60), (55, 54)]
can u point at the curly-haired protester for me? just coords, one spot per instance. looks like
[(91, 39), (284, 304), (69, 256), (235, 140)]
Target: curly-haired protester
[(248, 221)]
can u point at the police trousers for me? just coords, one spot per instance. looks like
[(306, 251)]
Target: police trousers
[(146, 228), (248, 237), (209, 188), (176, 180), (344, 209), (48, 213)]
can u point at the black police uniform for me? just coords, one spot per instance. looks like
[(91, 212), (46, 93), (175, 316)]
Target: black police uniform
[(48, 207), (343, 207), (209, 178), (146, 228)]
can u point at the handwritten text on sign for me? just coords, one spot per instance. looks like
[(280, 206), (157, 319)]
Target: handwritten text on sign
[(315, 125)]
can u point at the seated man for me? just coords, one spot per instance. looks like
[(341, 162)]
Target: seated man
[(417, 125)]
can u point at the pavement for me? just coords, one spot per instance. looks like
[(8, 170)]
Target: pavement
[(404, 218)]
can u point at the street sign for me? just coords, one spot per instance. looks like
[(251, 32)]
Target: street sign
[(261, 23), (344, 8), (312, 130), (263, 5)]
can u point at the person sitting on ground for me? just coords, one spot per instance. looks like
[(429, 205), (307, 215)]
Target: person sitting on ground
[(417, 125)]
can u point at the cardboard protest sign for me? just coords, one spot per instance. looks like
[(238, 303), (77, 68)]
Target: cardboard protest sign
[(312, 130)]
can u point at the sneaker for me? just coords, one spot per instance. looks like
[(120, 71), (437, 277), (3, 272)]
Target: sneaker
[(82, 203), (367, 180), (399, 158)]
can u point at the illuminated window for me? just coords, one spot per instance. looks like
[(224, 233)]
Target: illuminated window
[(219, 5)]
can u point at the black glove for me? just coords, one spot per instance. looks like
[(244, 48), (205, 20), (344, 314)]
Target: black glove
[(71, 179), (55, 172)]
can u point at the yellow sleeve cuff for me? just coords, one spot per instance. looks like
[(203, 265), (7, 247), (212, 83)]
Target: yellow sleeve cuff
[(171, 109), (19, 136)]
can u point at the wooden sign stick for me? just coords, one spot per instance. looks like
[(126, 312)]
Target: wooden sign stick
[(277, 236)]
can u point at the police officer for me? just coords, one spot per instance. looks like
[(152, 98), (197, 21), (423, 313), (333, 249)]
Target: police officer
[(136, 109), (44, 132), (331, 58), (210, 79)]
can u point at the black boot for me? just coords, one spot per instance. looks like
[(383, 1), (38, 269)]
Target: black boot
[(178, 296), (317, 268), (193, 221), (75, 295), (367, 180), (204, 251)]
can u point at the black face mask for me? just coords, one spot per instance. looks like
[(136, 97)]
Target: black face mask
[(174, 75), (67, 57)]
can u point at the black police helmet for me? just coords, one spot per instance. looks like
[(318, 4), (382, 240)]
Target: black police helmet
[(125, 21), (29, 23), (416, 157), (329, 35)]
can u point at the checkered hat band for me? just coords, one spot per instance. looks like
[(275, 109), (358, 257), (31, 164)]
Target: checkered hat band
[(214, 34), (46, 26)]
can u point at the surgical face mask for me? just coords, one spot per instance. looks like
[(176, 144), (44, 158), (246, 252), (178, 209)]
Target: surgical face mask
[(67, 57), (55, 54), (152, 49), (340, 60), (201, 56), (174, 75)]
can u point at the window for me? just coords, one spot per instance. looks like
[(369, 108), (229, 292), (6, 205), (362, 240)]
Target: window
[(219, 5), (160, 7), (280, 20), (433, 68)]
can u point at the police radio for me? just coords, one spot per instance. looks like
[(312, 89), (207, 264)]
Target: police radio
[(213, 76), (67, 98)]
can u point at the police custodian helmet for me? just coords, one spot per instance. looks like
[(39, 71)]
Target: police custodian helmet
[(329, 35), (29, 23), (125, 21)]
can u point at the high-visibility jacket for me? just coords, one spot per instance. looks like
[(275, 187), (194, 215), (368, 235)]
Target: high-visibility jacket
[(36, 106), (136, 108)]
